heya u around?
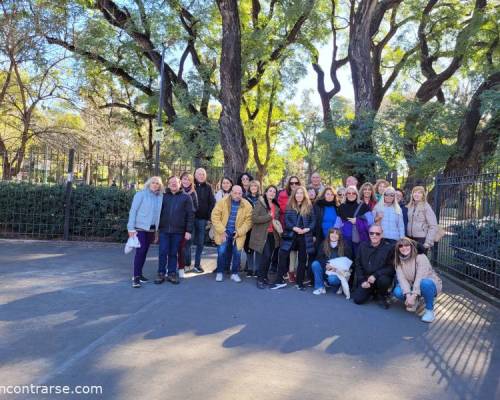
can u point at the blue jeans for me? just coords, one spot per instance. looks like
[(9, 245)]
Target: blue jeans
[(226, 252), (319, 276), (169, 245), (427, 290), (198, 240)]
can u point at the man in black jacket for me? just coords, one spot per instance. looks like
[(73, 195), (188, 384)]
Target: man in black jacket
[(176, 221), (206, 203), (374, 268)]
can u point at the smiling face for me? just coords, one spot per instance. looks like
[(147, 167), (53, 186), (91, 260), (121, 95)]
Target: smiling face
[(404, 248), (245, 181), (381, 187), (254, 189), (226, 185), (185, 181), (236, 193), (375, 233), (155, 185), (200, 175), (418, 195), (316, 179), (367, 192), (389, 196), (299, 196), (351, 194), (334, 236), (399, 196), (271, 194), (329, 196), (174, 184)]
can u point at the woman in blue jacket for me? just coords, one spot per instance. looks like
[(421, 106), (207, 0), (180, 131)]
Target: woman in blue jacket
[(143, 222)]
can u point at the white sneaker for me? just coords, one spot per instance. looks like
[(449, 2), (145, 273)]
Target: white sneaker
[(319, 291), (428, 316), (181, 274), (219, 277), (236, 278)]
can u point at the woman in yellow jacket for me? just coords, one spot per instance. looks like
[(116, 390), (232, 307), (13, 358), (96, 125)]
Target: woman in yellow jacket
[(231, 220)]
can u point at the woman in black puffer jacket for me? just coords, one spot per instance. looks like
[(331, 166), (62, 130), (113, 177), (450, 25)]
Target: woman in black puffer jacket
[(297, 235)]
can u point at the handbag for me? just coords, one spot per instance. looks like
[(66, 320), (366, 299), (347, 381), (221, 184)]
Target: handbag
[(355, 233)]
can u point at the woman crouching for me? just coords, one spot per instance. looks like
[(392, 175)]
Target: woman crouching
[(416, 278)]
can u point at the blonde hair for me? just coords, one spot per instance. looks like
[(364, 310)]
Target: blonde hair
[(378, 183), (191, 180), (380, 205), (424, 196), (354, 189), (147, 184), (306, 206), (255, 183)]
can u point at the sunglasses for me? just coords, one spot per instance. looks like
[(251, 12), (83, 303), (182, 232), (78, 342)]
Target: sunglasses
[(404, 245), (389, 194), (294, 183), (375, 234), (351, 193)]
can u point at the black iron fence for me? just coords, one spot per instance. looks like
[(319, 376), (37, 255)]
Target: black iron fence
[(468, 208), (49, 166)]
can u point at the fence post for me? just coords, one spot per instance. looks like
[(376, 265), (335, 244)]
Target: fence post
[(67, 197), (437, 211)]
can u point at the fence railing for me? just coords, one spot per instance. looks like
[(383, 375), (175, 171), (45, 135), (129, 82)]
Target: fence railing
[(468, 208), (45, 166)]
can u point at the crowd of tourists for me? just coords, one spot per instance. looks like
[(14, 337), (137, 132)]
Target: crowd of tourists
[(363, 242)]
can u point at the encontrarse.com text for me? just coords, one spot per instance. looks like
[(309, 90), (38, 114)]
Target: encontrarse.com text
[(50, 389)]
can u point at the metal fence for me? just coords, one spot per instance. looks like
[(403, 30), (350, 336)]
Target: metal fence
[(49, 166), (468, 208)]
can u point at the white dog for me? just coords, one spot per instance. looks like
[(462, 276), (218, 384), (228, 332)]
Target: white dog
[(341, 268)]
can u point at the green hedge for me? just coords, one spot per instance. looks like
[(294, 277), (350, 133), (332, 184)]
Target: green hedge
[(37, 211)]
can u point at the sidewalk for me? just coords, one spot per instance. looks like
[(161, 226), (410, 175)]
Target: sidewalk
[(69, 316)]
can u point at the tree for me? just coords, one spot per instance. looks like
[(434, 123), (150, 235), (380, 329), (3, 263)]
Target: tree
[(479, 133)]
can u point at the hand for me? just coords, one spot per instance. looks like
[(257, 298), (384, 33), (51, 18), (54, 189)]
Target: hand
[(187, 236), (379, 217), (410, 299), (371, 279), (365, 285), (132, 234), (427, 245), (297, 230), (224, 237), (330, 267), (157, 237), (352, 220)]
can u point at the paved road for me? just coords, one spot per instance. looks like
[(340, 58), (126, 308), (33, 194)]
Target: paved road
[(68, 316)]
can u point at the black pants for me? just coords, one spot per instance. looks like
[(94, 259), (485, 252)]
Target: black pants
[(299, 245), (381, 287), (266, 257), (420, 245)]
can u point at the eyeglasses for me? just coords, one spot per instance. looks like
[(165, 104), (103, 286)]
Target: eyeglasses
[(245, 178), (375, 234), (404, 245), (351, 193), (389, 194), (294, 183)]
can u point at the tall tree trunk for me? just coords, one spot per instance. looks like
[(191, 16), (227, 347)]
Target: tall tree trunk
[(361, 143), (475, 148), (233, 141)]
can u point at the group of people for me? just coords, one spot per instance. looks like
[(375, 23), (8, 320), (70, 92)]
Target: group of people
[(364, 241)]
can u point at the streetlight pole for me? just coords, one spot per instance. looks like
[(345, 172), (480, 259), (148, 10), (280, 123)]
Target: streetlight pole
[(159, 126)]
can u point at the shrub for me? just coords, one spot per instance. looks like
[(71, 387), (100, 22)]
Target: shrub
[(96, 213)]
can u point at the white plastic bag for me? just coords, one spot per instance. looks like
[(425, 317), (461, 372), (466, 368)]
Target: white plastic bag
[(132, 243), (340, 263)]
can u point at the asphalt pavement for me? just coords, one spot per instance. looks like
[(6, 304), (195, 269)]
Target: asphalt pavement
[(69, 316)]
